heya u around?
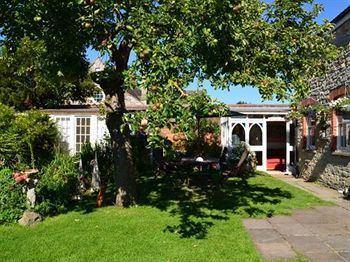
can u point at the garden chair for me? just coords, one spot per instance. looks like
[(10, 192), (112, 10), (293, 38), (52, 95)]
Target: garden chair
[(239, 168)]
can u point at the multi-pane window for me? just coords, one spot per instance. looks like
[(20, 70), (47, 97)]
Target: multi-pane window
[(344, 134), (63, 124), (311, 130), (98, 97), (82, 133)]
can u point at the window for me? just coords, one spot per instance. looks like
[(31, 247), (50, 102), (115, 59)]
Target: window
[(82, 134), (259, 158), (98, 97), (310, 136), (63, 124), (238, 134), (292, 134), (343, 134), (255, 135)]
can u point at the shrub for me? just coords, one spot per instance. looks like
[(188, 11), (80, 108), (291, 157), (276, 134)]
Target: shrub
[(10, 149), (7, 115), (39, 136), (26, 139), (105, 160), (12, 198), (58, 185), (86, 155), (235, 154)]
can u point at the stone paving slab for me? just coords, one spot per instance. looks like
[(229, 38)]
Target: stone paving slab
[(320, 233), (311, 216), (345, 255), (252, 223), (281, 220), (336, 214), (308, 244), (274, 251), (338, 243), (266, 235), (324, 257), (282, 237), (295, 229), (329, 229)]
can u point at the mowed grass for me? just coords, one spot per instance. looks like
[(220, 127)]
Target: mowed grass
[(172, 222)]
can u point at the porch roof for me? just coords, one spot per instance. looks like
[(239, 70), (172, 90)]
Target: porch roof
[(261, 109)]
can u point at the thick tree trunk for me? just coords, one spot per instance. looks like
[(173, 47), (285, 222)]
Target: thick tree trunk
[(125, 174)]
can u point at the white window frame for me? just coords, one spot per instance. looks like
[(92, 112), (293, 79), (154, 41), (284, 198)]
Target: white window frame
[(82, 131), (236, 140), (64, 127), (343, 134)]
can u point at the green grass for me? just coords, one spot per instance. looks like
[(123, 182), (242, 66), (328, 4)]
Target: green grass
[(171, 223)]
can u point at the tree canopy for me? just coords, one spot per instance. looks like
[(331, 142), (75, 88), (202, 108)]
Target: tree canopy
[(28, 79), (275, 47)]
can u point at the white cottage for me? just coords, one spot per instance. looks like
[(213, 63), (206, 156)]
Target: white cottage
[(81, 123), (268, 132)]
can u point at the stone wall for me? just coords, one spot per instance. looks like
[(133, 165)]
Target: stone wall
[(338, 74), (342, 34), (323, 164)]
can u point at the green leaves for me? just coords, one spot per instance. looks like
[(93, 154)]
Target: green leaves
[(28, 78), (275, 47), (26, 139), (226, 42), (12, 199)]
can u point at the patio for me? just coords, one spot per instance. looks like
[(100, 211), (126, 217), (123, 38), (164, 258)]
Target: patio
[(319, 234)]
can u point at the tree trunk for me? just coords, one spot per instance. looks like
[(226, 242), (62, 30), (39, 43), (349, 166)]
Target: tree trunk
[(125, 173)]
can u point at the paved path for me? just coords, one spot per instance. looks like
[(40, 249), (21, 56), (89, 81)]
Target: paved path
[(319, 234)]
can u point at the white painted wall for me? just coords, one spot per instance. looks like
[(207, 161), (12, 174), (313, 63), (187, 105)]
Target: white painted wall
[(67, 129)]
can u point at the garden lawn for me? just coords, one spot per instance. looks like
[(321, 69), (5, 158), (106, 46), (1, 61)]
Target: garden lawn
[(173, 222)]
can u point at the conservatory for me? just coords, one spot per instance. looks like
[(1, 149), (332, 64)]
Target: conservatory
[(268, 132)]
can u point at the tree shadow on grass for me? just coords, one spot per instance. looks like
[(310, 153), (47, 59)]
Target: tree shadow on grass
[(200, 205), (85, 206), (87, 203)]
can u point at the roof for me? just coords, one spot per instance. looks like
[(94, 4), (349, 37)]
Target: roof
[(97, 65), (134, 99), (341, 15), (260, 109), (87, 109)]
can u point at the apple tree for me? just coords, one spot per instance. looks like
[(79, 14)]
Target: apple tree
[(164, 45)]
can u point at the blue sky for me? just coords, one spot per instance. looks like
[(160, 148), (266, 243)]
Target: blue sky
[(249, 94)]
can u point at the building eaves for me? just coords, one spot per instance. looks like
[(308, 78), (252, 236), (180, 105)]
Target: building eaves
[(86, 109), (259, 109), (341, 15)]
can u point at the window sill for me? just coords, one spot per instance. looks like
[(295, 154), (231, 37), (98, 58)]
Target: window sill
[(340, 153)]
